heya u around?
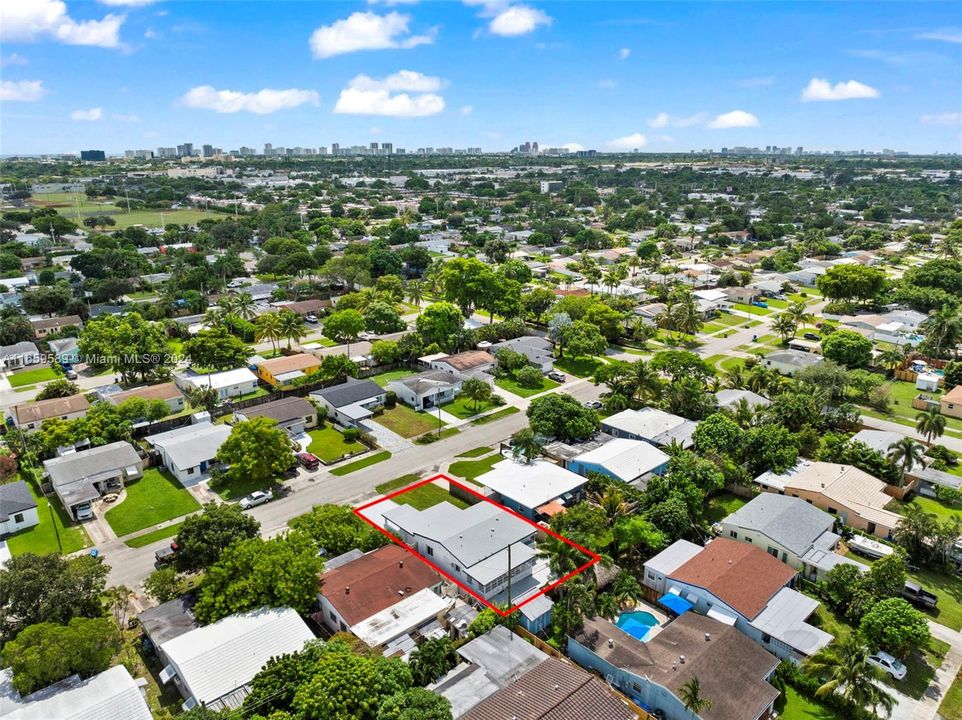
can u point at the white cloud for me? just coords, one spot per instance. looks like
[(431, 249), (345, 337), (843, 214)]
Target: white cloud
[(365, 31), (624, 53), (466, 110), (949, 35), (763, 81), (27, 20), (518, 20), (261, 102), (127, 3), (87, 115), (150, 34), (733, 119), (821, 90), (392, 3), (120, 117), (21, 90), (403, 94), (948, 118), (573, 147), (12, 59), (607, 84), (663, 120), (628, 142)]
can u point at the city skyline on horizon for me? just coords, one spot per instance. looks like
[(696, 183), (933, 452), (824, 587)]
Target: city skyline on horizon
[(142, 74)]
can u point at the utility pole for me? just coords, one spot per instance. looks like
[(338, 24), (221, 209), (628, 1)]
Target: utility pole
[(509, 576)]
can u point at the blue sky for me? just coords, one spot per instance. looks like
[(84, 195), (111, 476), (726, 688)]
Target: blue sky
[(125, 74)]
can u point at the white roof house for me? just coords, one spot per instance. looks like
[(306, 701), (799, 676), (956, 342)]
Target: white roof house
[(189, 451), (412, 611), (213, 665), (531, 485), (110, 695), (627, 460), (227, 383), (649, 424)]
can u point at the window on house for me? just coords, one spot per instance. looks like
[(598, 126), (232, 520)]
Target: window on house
[(190, 471), (773, 552), (766, 638), (331, 613), (18, 518), (733, 534), (430, 550)]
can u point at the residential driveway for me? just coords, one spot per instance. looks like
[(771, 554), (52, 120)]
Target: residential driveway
[(904, 705), (928, 706), (387, 439)]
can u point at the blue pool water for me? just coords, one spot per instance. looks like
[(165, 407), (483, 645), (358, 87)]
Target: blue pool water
[(637, 624)]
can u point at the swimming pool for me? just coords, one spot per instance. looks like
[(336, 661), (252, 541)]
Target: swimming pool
[(637, 624)]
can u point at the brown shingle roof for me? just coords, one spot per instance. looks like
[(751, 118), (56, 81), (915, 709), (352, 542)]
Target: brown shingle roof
[(56, 322), (163, 391), (469, 360), (290, 363), (730, 667), (742, 576), (377, 581), (306, 306), (54, 407), (552, 690)]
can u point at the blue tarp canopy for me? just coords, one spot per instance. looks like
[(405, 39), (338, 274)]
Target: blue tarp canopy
[(676, 603)]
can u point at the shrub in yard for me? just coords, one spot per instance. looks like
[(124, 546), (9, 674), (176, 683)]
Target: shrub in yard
[(351, 434), (427, 438), (529, 377), (390, 399), (377, 410)]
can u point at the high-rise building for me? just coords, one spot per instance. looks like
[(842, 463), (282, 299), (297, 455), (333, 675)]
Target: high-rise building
[(335, 148), (387, 148), (208, 151), (268, 149), (185, 150), (93, 155)]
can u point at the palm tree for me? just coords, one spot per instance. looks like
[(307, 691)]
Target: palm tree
[(907, 453), (476, 389), (267, 327), (735, 376), (942, 328), (686, 317), (290, 326), (891, 360), (626, 589), (690, 695), (930, 423), (203, 397), (526, 445), (214, 317), (845, 669), (563, 558), (612, 501), (607, 606), (244, 306), (785, 326), (742, 412), (414, 293), (798, 311)]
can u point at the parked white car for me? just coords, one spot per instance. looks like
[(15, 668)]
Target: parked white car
[(894, 667), (258, 497)]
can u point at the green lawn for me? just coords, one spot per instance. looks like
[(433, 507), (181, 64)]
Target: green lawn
[(721, 506), (408, 423), (929, 505), (42, 538), (511, 385), (464, 408), (496, 415), (471, 469), (902, 395), (951, 706), (730, 363), (397, 483), (948, 589), (32, 377), (235, 489), (147, 538), (362, 463), (153, 499), (427, 496), (329, 445), (476, 452), (579, 366), (384, 378), (921, 667), (729, 320), (752, 309), (798, 707)]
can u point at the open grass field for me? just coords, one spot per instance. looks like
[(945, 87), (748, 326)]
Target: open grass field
[(43, 538), (511, 386), (65, 204), (362, 463), (752, 309), (798, 707), (329, 445), (32, 377), (147, 538), (153, 499), (408, 423)]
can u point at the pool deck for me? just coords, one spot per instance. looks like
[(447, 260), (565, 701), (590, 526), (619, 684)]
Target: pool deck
[(659, 614)]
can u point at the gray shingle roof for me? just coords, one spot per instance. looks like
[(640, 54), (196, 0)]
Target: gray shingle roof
[(789, 521), (350, 392), (90, 464), (15, 497)]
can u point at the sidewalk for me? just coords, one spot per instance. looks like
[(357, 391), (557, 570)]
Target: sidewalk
[(928, 707)]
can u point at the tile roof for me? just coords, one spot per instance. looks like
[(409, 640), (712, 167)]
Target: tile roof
[(742, 576), (469, 360), (56, 322), (163, 391), (376, 581), (552, 690), (289, 363), (730, 667)]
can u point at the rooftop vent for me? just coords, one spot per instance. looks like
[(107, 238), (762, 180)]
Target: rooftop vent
[(681, 659), (611, 643), (707, 637), (400, 563), (347, 589)]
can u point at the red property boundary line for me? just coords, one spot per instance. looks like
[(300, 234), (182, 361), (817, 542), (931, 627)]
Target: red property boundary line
[(595, 558)]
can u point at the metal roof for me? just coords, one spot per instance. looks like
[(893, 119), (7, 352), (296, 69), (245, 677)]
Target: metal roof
[(190, 445), (532, 484), (627, 459), (111, 695), (784, 619)]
